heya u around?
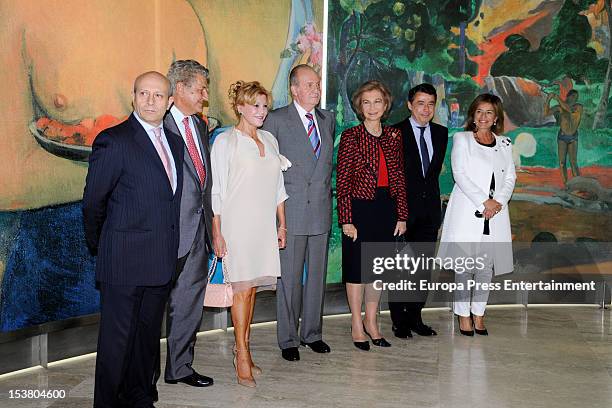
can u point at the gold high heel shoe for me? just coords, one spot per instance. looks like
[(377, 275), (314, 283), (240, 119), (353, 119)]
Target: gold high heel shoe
[(247, 382), (255, 369)]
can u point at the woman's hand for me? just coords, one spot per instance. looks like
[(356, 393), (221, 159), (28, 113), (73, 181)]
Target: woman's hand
[(282, 237), (219, 245), (400, 228), (350, 231), (492, 207)]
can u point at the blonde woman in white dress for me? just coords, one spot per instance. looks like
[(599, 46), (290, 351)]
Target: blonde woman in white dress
[(248, 197), (477, 220)]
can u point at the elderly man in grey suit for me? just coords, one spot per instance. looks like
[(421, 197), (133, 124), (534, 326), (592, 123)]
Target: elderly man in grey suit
[(189, 84), (306, 137)]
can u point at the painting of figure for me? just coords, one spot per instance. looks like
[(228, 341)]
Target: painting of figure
[(549, 62), (68, 78)]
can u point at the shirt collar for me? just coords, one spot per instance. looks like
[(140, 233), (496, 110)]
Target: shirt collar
[(415, 125), (147, 127), (177, 114), (301, 111)]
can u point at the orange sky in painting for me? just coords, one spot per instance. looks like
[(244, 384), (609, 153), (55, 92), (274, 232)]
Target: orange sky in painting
[(494, 46)]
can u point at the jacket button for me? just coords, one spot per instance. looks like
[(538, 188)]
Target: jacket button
[(424, 195), (308, 202), (199, 211), (172, 227)]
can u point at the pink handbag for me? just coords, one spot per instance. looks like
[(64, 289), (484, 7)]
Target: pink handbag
[(218, 294)]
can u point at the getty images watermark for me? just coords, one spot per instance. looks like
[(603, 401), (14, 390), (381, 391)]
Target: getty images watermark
[(577, 272), (406, 264)]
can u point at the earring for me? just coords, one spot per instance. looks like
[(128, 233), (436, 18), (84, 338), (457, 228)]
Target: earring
[(494, 123)]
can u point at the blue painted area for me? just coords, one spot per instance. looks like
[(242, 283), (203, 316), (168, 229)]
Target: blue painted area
[(49, 273)]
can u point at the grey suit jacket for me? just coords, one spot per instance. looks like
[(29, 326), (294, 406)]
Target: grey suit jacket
[(308, 182), (196, 207)]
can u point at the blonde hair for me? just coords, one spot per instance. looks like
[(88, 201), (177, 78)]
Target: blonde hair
[(241, 93)]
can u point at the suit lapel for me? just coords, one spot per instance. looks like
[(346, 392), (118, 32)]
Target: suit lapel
[(326, 139), (144, 141), (437, 149), (173, 127), (297, 127), (202, 133), (413, 149)]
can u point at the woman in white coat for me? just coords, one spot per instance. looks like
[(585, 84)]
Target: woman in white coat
[(477, 220)]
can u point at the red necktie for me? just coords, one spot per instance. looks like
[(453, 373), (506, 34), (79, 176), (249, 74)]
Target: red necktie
[(193, 152)]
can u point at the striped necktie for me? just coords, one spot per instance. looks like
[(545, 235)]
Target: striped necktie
[(313, 135)]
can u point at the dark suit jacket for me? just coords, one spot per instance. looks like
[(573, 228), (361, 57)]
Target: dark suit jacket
[(423, 192), (196, 205), (130, 215)]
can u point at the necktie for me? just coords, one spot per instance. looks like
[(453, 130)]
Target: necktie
[(313, 135), (193, 152), (424, 151), (163, 154)]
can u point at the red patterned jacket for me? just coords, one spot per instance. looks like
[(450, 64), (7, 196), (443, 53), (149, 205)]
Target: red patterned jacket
[(357, 169)]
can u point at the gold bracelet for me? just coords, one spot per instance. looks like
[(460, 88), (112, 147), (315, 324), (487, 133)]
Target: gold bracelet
[(285, 229)]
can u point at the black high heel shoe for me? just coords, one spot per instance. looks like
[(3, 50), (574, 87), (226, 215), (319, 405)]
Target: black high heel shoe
[(482, 332), (377, 342), (361, 345), (464, 332)]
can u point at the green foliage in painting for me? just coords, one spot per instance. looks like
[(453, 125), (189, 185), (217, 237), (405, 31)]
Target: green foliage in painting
[(564, 51)]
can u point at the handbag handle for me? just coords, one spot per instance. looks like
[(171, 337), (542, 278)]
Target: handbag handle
[(213, 266)]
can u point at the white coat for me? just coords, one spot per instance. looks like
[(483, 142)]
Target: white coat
[(472, 166)]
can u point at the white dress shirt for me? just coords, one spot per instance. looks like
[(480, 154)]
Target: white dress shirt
[(302, 112), (428, 142), (149, 129), (178, 119)]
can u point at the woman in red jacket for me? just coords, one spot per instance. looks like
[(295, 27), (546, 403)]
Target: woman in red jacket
[(371, 195)]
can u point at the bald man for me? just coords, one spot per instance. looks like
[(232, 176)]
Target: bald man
[(131, 207)]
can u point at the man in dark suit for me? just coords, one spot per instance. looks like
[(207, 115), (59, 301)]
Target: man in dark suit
[(189, 85), (131, 206), (305, 136), (424, 149)]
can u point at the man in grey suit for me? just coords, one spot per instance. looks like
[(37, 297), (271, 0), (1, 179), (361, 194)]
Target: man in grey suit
[(189, 85), (306, 137)]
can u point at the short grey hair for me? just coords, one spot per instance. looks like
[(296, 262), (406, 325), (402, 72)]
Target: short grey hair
[(184, 71), (293, 79)]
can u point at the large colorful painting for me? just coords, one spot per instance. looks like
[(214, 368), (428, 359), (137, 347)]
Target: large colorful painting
[(549, 61), (68, 78)]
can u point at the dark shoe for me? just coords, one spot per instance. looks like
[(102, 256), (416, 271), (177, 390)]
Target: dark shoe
[(154, 394), (318, 346), (381, 342), (362, 345), (195, 380), (423, 330), (401, 332), (482, 332), (291, 354), (464, 332)]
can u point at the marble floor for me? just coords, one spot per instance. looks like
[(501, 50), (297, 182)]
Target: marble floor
[(536, 357)]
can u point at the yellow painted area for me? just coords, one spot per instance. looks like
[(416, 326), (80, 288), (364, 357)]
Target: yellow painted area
[(494, 17), (244, 41)]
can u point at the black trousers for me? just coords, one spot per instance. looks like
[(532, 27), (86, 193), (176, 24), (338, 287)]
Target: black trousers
[(423, 233), (128, 342)]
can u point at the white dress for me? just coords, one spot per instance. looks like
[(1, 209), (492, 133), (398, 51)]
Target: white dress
[(246, 191)]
